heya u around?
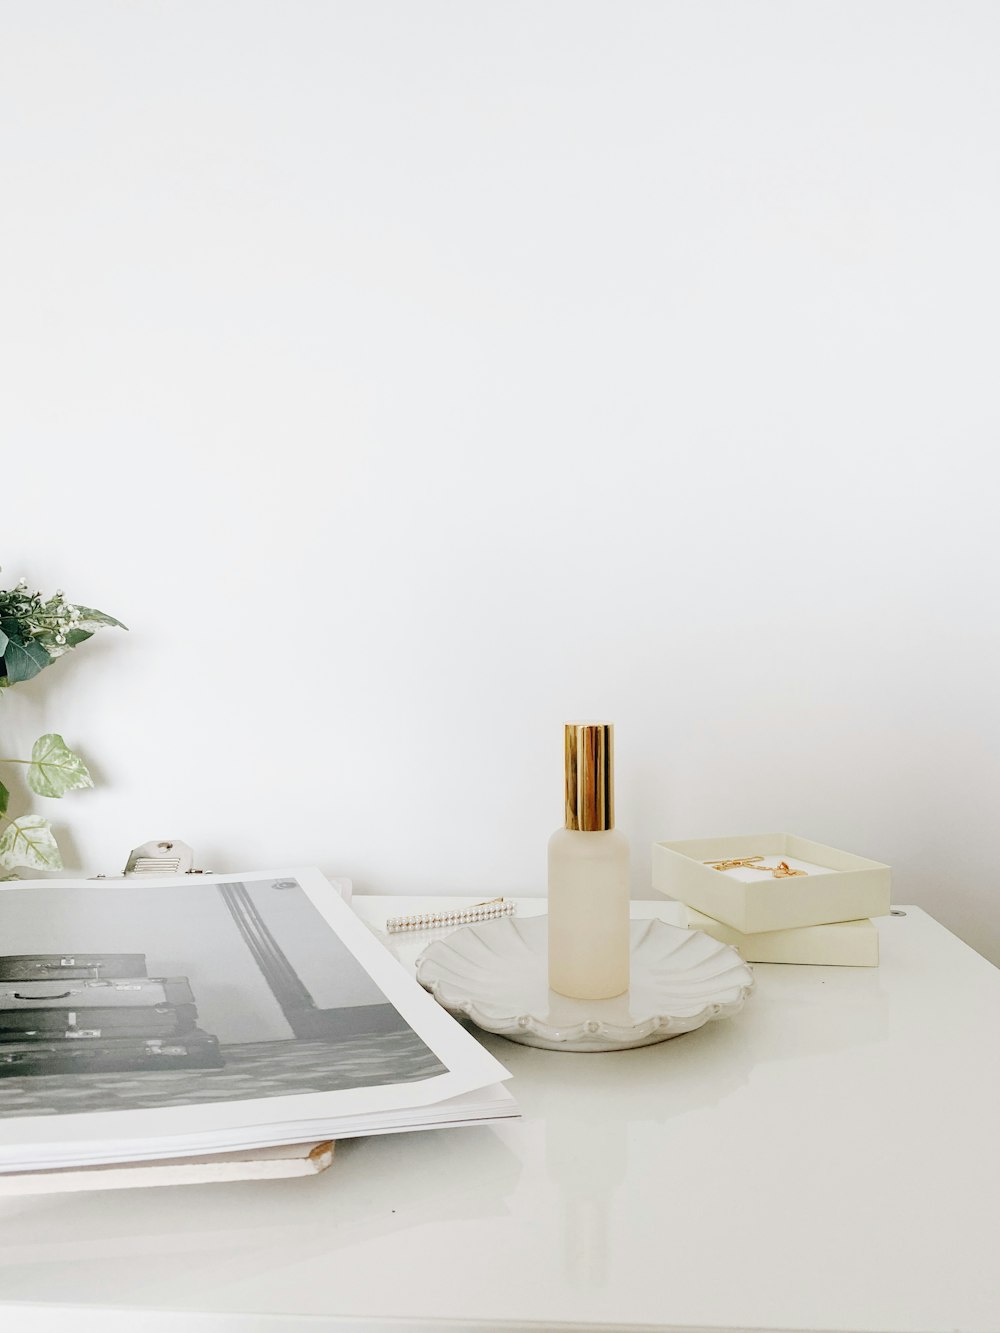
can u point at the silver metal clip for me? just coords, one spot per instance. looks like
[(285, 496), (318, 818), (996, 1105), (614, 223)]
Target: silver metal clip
[(167, 857)]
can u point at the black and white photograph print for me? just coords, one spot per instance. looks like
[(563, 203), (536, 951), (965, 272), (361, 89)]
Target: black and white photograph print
[(131, 996)]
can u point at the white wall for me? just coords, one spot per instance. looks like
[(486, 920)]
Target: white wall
[(412, 377)]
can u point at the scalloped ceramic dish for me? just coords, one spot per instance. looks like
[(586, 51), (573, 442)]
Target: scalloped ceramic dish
[(496, 974)]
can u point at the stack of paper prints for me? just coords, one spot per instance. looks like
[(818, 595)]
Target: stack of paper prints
[(142, 1020)]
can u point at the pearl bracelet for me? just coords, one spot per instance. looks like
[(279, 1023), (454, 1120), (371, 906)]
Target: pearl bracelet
[(487, 911)]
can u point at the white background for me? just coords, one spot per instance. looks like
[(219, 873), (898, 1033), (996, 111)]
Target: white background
[(412, 377)]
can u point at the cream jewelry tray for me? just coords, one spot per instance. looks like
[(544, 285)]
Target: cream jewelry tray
[(495, 973)]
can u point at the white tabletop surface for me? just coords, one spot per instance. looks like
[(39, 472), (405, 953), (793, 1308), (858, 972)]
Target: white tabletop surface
[(827, 1160)]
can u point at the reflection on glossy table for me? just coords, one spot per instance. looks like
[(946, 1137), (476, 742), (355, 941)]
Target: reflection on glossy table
[(829, 1159)]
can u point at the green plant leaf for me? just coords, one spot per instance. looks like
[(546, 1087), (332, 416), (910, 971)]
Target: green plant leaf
[(88, 617), (28, 841), (71, 638), (55, 769), (4, 798), (22, 660)]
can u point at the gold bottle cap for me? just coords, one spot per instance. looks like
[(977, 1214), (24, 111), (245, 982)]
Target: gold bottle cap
[(590, 776)]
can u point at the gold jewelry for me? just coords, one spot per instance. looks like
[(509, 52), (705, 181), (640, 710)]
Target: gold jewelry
[(749, 861), (781, 871)]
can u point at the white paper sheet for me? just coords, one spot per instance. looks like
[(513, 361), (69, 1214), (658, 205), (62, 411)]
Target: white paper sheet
[(43, 917)]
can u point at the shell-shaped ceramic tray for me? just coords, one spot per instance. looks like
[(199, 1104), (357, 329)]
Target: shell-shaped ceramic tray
[(496, 974)]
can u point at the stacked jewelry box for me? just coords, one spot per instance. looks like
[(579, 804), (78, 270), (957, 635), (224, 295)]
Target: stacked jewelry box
[(778, 898)]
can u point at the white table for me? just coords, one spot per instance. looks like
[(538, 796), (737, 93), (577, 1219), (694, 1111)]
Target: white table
[(827, 1160)]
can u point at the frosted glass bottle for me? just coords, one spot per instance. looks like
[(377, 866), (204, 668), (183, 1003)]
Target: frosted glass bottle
[(588, 913), (589, 875)]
